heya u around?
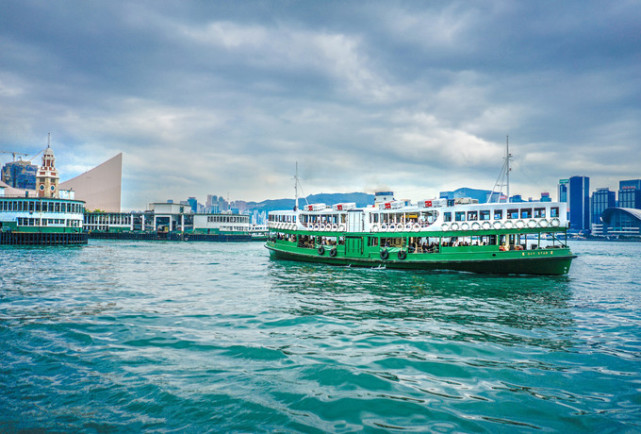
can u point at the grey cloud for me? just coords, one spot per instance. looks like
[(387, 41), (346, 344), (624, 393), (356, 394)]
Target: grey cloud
[(210, 97)]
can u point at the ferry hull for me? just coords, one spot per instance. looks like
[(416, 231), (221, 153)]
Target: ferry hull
[(548, 262), (42, 238)]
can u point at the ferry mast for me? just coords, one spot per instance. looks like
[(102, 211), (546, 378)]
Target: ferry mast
[(503, 176)]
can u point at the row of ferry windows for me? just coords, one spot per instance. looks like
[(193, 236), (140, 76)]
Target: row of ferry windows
[(25, 221), (227, 219), (40, 206), (497, 214), (282, 218)]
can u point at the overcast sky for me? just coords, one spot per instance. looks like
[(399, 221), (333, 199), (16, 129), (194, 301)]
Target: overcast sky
[(223, 97)]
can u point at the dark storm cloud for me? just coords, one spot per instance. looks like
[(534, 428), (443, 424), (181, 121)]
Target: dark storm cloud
[(215, 97)]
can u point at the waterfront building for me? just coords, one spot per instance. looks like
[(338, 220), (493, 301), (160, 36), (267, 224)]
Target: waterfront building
[(193, 203), (20, 174), (563, 190), (602, 199), (168, 220), (630, 194), (99, 187), (545, 197), (622, 222), (577, 191), (47, 176)]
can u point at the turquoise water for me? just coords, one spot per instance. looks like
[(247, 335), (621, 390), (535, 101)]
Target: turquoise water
[(206, 337)]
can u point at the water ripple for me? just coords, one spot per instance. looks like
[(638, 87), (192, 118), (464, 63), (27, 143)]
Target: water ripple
[(144, 336)]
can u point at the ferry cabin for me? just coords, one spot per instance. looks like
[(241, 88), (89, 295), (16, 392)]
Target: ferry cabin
[(429, 234), (32, 220), (37, 214)]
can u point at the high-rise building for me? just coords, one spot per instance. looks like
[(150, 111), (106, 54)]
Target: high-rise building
[(193, 203), (602, 199), (20, 174), (563, 190), (630, 194), (578, 194)]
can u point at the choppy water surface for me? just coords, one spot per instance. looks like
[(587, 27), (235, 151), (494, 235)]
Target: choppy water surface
[(153, 336)]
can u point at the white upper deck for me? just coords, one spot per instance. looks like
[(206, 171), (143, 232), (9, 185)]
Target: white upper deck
[(426, 215)]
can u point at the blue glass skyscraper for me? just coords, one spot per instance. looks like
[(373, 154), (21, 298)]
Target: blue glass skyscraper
[(630, 194), (579, 203), (602, 199)]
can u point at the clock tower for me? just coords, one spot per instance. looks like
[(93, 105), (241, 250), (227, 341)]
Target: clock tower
[(47, 178)]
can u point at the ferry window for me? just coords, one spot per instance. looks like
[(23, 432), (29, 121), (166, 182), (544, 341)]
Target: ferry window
[(554, 212), (459, 216), (447, 216), (539, 213), (526, 213), (498, 214), (512, 213), (472, 215), (485, 215), (372, 241)]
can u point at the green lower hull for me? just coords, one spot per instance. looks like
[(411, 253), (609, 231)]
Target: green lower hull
[(539, 262)]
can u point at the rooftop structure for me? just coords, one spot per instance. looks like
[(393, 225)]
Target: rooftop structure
[(99, 187)]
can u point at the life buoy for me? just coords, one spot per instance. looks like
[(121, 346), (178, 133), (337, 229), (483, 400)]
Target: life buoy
[(417, 227), (544, 223), (374, 228), (444, 226), (465, 226), (498, 225), (402, 254), (508, 225), (333, 252), (487, 225), (520, 224), (531, 224), (322, 227), (341, 228), (384, 254), (321, 250), (383, 227), (556, 223), (408, 226), (454, 226), (334, 226)]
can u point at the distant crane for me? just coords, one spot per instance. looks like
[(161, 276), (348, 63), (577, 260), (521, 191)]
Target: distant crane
[(14, 154)]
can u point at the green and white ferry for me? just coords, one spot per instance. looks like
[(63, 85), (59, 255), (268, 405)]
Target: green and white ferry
[(435, 234), (41, 221)]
